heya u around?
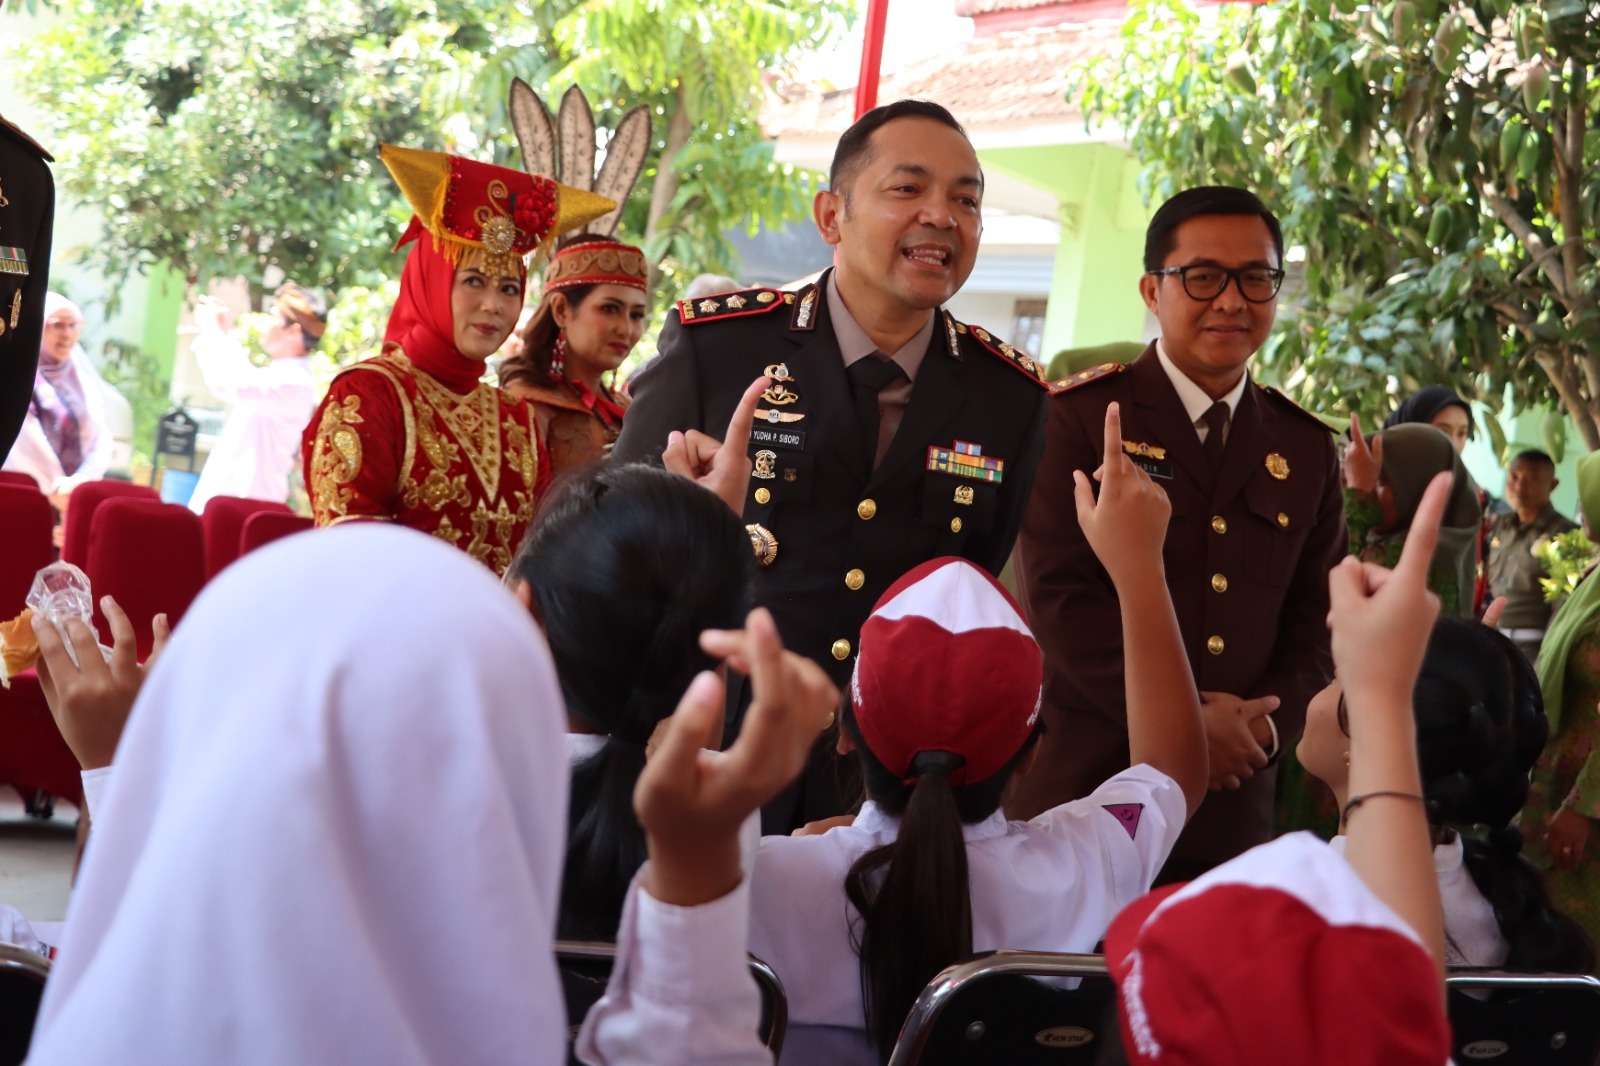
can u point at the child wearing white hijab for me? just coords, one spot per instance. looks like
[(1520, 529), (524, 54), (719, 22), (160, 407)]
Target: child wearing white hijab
[(334, 834)]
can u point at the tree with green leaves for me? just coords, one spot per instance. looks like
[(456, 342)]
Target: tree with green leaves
[(700, 65), (1438, 162)]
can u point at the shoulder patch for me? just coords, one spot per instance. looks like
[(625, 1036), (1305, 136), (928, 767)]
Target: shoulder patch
[(1297, 409), (729, 305), (1018, 359), (1083, 377), (28, 142)]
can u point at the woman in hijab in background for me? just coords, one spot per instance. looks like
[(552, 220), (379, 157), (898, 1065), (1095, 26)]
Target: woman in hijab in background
[(1564, 799), (64, 440), (1383, 485)]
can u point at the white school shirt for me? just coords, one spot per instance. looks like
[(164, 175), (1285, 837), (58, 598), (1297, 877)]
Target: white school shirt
[(1471, 935), (1050, 884)]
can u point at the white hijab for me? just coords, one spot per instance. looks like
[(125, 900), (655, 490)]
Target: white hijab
[(335, 829)]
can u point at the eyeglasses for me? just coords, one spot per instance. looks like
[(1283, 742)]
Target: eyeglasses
[(1256, 284)]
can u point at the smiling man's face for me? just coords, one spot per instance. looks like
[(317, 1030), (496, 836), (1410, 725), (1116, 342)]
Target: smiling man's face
[(1212, 340), (906, 227)]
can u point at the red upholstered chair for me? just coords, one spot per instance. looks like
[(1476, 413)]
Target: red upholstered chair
[(81, 507), (33, 756), (17, 477), (223, 522), (26, 519), (268, 526), (150, 557)]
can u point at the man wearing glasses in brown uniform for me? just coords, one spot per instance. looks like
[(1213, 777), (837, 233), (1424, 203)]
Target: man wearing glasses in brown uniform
[(1256, 524)]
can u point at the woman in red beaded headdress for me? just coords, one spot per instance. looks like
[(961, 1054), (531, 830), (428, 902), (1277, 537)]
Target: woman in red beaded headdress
[(414, 435)]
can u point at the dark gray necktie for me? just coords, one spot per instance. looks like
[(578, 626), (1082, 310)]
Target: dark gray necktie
[(1216, 420), (868, 377)]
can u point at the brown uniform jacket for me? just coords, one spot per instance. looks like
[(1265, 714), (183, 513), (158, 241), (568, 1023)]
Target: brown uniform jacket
[(1247, 558)]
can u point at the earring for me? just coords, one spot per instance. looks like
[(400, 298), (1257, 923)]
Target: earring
[(558, 358), (1347, 759)]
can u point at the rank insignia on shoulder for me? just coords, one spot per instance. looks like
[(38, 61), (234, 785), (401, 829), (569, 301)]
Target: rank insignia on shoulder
[(1009, 353), (729, 305), (1083, 377), (966, 460), (1282, 398)]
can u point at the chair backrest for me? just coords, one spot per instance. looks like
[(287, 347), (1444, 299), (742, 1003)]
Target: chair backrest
[(17, 477), (26, 519), (268, 526), (81, 507), (1524, 1018), (22, 978), (223, 521), (994, 1008), (150, 557), (586, 967)]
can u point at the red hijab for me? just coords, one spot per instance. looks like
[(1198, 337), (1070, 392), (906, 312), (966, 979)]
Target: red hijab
[(422, 322)]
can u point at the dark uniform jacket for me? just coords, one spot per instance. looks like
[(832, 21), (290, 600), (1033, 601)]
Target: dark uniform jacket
[(1247, 556), (1515, 567), (27, 209), (845, 532)]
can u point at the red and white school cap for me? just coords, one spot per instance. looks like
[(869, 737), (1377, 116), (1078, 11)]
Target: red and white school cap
[(1280, 955), (946, 663)]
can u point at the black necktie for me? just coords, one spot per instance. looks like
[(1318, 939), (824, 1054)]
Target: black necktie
[(867, 377), (1216, 420)]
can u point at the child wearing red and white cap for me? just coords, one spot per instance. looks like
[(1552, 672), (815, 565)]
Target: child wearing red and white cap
[(942, 711), (1293, 952)]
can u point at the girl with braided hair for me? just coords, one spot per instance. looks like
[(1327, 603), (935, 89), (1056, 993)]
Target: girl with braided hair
[(1481, 726)]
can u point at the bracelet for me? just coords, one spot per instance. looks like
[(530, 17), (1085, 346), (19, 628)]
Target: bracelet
[(1277, 745), (1359, 800)]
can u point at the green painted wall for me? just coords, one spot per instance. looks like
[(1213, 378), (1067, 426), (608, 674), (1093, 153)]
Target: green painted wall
[(1094, 295), (163, 305)]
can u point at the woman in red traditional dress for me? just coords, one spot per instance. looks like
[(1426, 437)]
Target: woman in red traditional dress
[(414, 435), (592, 315)]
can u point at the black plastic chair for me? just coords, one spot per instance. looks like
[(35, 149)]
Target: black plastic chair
[(22, 978), (993, 1008), (585, 967), (1546, 1018)]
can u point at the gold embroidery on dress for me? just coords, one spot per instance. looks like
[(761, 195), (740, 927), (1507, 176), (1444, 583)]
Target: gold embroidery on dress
[(471, 420), (447, 532), (336, 460), (521, 452)]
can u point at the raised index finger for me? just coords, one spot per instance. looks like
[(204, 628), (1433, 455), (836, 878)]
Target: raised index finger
[(1356, 439), (1113, 438), (1423, 536), (744, 416)]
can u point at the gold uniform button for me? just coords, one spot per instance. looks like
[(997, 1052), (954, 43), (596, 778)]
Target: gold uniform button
[(1219, 524), (1219, 582), (855, 579), (1214, 646), (1283, 520), (866, 509), (841, 649), (763, 495), (955, 525)]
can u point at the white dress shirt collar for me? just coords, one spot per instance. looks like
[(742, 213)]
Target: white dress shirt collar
[(1194, 399)]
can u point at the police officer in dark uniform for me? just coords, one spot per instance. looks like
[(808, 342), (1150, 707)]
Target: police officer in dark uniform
[(27, 210), (890, 433), (1257, 522)]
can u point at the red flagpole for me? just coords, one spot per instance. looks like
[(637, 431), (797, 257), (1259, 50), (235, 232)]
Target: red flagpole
[(871, 57)]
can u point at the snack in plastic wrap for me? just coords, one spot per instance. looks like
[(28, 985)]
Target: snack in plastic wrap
[(60, 591)]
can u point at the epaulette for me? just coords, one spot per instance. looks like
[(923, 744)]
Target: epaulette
[(732, 305), (1083, 377), (1297, 409), (15, 131), (1011, 354)]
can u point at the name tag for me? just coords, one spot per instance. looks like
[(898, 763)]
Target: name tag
[(1154, 467), (771, 437)]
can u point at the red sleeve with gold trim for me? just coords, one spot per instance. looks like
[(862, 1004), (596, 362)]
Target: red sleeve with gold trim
[(352, 450)]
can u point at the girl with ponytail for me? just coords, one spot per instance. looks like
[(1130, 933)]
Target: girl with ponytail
[(942, 714), (1480, 727), (624, 568)]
